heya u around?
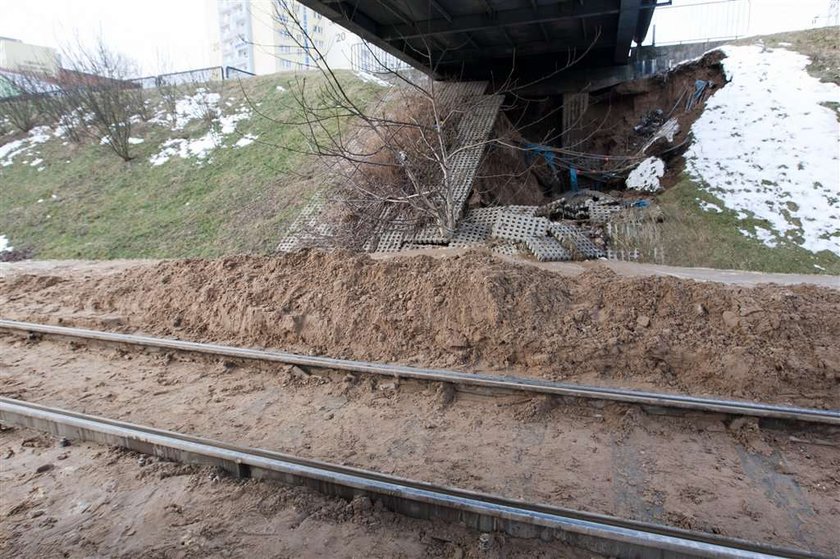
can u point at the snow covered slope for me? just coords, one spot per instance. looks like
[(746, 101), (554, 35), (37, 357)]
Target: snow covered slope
[(768, 148)]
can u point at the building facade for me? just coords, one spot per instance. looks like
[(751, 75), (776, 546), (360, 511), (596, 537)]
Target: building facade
[(260, 36), (365, 57), (18, 56)]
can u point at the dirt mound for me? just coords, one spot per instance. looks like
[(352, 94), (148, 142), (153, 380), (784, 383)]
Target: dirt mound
[(475, 311)]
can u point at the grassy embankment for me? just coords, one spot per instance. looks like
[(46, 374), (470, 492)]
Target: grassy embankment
[(94, 205)]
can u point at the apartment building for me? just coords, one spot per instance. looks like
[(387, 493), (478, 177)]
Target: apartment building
[(258, 36), (18, 56)]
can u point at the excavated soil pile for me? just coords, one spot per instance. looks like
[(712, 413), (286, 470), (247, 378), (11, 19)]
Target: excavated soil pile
[(475, 311)]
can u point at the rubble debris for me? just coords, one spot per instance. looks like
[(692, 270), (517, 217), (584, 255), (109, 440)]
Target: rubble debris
[(580, 205), (700, 88), (665, 132), (649, 122), (538, 194)]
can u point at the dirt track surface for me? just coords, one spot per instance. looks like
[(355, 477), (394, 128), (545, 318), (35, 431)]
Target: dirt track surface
[(101, 502), (696, 472), (472, 312)]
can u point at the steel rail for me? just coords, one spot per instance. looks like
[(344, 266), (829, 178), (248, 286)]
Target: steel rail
[(600, 533), (495, 382)]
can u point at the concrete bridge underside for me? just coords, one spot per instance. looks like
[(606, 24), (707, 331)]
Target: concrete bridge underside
[(493, 39)]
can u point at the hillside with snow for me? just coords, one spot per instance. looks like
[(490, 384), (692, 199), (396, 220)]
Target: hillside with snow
[(767, 146), (216, 171), (213, 171)]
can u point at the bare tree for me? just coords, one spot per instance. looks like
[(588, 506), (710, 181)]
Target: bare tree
[(98, 80), (61, 107), (169, 93), (21, 107), (397, 162)]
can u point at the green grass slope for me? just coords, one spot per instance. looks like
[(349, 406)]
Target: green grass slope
[(681, 233), (87, 203)]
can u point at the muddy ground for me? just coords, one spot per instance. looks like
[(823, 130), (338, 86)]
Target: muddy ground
[(93, 501), (697, 472), (473, 312)]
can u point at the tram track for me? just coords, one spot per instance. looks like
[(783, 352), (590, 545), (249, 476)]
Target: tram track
[(609, 535), (493, 383)]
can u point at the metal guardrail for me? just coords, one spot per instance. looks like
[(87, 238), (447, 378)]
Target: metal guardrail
[(200, 75), (494, 382), (599, 533)]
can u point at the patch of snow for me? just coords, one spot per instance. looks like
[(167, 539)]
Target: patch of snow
[(135, 141), (762, 234), (767, 148), (766, 236), (67, 122), (40, 201), (4, 244), (245, 140), (709, 207), (195, 106), (785, 44), (10, 150), (645, 177), (227, 123), (168, 150), (367, 77), (198, 148), (104, 141), (280, 88), (691, 60), (189, 108), (40, 134), (201, 147), (36, 162)]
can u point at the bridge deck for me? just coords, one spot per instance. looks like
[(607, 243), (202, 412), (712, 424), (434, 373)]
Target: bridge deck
[(490, 39)]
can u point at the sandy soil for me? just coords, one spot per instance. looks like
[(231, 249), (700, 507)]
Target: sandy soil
[(99, 502), (473, 312), (72, 268), (90, 268), (693, 472)]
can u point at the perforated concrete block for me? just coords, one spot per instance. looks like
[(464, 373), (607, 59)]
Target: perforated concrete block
[(547, 249), (515, 227)]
